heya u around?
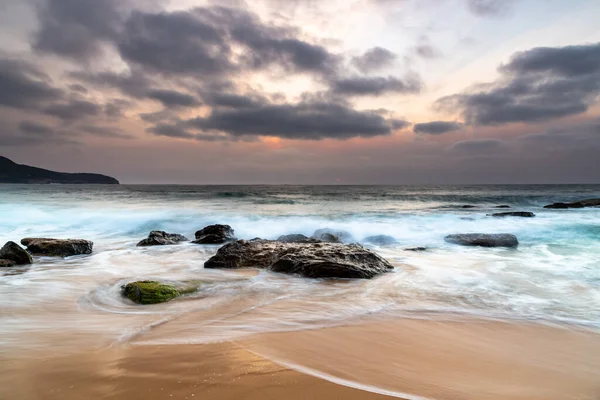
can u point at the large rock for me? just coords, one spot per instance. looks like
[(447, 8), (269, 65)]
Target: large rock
[(293, 238), (483, 239), (524, 214), (310, 259), (161, 238), (6, 263), (577, 204), (333, 236), (380, 240), (214, 234), (149, 292), (57, 247), (15, 253)]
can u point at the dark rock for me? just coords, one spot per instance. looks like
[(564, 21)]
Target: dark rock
[(6, 263), (416, 249), (577, 204), (333, 236), (503, 206), (57, 247), (161, 238), (15, 253), (214, 234), (524, 214), (293, 238), (149, 292), (467, 218), (311, 259), (483, 239), (467, 206), (380, 240)]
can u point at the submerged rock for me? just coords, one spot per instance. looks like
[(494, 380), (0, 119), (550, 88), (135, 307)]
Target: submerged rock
[(6, 263), (416, 249), (149, 292), (161, 238), (380, 240), (57, 247), (503, 206), (293, 238), (15, 253), (333, 236), (577, 204), (310, 259), (483, 239), (214, 234), (468, 206), (524, 214)]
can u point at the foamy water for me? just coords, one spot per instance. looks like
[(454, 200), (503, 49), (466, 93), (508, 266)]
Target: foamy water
[(554, 275)]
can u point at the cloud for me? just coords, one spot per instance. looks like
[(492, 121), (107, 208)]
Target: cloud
[(172, 98), (477, 146), (437, 127), (104, 131), (374, 59), (489, 8), (374, 86), (24, 86), (75, 109), (35, 128), (536, 85)]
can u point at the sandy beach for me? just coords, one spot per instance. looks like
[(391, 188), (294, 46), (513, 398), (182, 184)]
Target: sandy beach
[(409, 359)]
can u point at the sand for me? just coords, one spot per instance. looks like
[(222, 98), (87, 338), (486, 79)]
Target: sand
[(420, 358)]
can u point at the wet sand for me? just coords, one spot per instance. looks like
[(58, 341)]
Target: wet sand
[(420, 358)]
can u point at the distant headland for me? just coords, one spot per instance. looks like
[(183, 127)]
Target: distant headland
[(11, 172)]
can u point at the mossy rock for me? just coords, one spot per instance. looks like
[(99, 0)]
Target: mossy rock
[(149, 292)]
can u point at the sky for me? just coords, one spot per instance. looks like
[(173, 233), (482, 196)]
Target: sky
[(304, 91)]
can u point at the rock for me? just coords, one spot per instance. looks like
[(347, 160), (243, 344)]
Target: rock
[(524, 214), (577, 204), (161, 238), (293, 238), (502, 206), (467, 218), (149, 292), (416, 249), (467, 206), (380, 240), (310, 259), (484, 239), (15, 253), (57, 247), (6, 263), (333, 236), (214, 234)]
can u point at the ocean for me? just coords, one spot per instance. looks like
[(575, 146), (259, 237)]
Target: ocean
[(553, 277)]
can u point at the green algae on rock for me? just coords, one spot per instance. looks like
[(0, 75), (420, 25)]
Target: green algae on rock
[(149, 292)]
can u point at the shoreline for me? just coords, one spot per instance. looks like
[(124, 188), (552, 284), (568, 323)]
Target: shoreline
[(410, 359)]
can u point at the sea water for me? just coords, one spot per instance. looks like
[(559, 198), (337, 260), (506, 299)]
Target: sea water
[(552, 277)]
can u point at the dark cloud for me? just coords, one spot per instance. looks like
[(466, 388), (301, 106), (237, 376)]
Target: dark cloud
[(76, 87), (489, 8), (104, 131), (437, 127), (305, 120), (233, 100), (536, 85), (374, 59), (374, 86), (35, 128), (178, 131), (75, 109), (24, 86), (477, 146), (172, 98), (427, 51), (399, 124)]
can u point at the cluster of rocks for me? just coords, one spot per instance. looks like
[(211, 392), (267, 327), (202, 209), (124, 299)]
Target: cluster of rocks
[(576, 204), (12, 254), (213, 234)]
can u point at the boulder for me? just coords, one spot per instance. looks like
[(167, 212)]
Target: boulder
[(214, 234), (6, 263), (483, 239), (293, 238), (15, 253), (57, 247), (333, 236), (577, 204), (310, 259), (149, 292), (503, 206), (161, 238), (524, 214), (380, 240)]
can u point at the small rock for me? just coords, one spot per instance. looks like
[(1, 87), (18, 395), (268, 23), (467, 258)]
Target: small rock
[(333, 236), (6, 263), (524, 214), (149, 292), (57, 247), (293, 238), (214, 234), (416, 249), (161, 238), (503, 206), (15, 253), (467, 206), (483, 239), (577, 204), (380, 240)]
